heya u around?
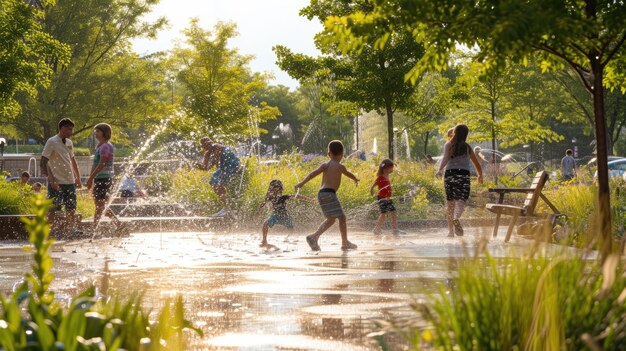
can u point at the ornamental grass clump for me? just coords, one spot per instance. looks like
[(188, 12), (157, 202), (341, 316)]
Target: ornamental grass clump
[(561, 303), (32, 319)]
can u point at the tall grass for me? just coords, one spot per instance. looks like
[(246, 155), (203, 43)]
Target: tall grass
[(415, 188), (563, 303), (32, 319)]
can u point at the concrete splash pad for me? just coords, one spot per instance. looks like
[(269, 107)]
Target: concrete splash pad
[(248, 298)]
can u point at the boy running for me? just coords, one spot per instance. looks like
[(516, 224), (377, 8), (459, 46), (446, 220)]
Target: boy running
[(327, 196)]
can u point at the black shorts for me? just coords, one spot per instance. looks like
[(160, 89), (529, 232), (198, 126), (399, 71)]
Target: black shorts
[(386, 205), (65, 196), (102, 188), (457, 184)]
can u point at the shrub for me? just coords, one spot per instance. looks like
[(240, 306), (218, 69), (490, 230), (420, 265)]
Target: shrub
[(14, 198), (31, 318)]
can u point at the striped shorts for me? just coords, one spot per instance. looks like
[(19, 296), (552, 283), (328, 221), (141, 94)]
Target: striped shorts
[(331, 207)]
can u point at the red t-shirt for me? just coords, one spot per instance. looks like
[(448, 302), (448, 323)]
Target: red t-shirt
[(384, 187)]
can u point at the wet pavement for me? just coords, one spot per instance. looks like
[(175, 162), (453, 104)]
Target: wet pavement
[(284, 298)]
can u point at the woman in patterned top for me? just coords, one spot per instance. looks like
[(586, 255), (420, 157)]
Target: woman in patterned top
[(101, 176)]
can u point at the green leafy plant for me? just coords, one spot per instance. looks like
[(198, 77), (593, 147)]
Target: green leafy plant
[(526, 304), (14, 198), (32, 319)]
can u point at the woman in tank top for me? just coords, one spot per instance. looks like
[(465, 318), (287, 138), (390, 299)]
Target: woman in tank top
[(457, 155)]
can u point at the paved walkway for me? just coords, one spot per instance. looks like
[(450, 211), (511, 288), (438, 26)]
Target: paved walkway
[(287, 297)]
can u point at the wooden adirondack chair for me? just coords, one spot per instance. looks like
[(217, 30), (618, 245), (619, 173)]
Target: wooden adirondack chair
[(527, 209)]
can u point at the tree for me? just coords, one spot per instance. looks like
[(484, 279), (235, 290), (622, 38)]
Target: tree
[(319, 124), (221, 91), (287, 103), (513, 106), (588, 36), (429, 105), (25, 53), (370, 79), (104, 81)]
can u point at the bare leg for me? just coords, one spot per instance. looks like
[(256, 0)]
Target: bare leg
[(459, 208), (220, 191), (100, 204), (266, 228), (343, 229), (379, 223), (450, 217), (72, 221), (394, 220), (312, 239)]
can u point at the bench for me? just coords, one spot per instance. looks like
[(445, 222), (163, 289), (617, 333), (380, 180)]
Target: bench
[(534, 193)]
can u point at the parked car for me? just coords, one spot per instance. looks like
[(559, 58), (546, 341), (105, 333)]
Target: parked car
[(592, 162), (617, 169)]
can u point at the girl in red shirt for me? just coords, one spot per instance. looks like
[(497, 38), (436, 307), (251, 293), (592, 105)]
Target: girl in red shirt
[(384, 197)]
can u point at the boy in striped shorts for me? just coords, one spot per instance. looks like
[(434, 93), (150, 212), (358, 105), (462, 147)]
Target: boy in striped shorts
[(327, 196)]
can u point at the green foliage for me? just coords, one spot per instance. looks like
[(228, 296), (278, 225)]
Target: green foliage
[(31, 318), (103, 80), (15, 198), (220, 88), (370, 79), (26, 52), (527, 304), (412, 181)]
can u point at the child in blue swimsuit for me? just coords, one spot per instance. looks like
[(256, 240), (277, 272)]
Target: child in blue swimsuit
[(279, 214)]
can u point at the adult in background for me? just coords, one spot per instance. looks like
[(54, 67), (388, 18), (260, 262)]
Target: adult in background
[(568, 166), (101, 176), (59, 165), (457, 155), (227, 168)]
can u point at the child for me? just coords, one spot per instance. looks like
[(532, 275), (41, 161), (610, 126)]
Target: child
[(37, 187), (456, 162), (327, 196), (384, 197), (279, 214), (24, 178)]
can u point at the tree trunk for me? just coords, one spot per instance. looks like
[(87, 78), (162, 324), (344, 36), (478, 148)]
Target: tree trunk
[(604, 206), (493, 143), (390, 134), (426, 143)]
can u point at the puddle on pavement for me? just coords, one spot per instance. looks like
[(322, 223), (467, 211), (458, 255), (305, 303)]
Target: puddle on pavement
[(247, 298)]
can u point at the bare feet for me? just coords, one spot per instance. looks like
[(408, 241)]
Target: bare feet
[(264, 244), (312, 241), (348, 246)]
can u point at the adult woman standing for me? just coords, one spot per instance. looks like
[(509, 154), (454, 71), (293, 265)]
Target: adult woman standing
[(457, 154), (101, 176)]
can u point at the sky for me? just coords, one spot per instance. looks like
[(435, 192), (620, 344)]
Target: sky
[(261, 25)]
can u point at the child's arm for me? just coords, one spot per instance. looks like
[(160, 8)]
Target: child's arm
[(256, 213), (350, 175), (312, 175), (304, 198), (372, 188), (444, 159)]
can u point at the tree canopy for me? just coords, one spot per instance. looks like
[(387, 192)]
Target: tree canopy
[(587, 36), (26, 53)]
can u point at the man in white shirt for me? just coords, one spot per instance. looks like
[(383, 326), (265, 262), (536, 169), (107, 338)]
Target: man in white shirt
[(59, 165)]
